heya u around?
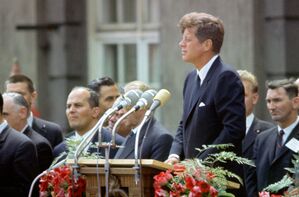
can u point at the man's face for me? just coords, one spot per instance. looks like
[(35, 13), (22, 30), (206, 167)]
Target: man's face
[(191, 48), (251, 97), (13, 114), (127, 124), (108, 94), (22, 88), (280, 106), (81, 116)]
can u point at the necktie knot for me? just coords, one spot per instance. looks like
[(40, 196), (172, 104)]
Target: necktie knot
[(281, 133)]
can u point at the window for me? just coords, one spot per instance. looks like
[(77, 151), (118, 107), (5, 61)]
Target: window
[(124, 40)]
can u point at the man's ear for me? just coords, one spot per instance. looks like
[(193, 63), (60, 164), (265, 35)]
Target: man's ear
[(23, 112), (255, 98), (295, 102), (34, 95), (95, 112), (208, 45)]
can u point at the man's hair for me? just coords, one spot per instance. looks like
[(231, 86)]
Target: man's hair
[(248, 76), (17, 99), (207, 27), (21, 79), (93, 99), (96, 84), (288, 84), (1, 104), (136, 85)]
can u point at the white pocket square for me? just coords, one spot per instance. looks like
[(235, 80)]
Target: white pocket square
[(201, 104)]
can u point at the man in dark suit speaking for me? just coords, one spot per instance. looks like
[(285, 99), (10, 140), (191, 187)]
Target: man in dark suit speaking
[(213, 109), (213, 105)]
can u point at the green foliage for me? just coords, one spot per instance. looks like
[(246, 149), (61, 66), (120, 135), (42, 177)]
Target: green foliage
[(285, 182)]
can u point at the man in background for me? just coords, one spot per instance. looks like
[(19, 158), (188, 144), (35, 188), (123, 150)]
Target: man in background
[(271, 151), (16, 111), (82, 111), (24, 86), (154, 139), (18, 160), (107, 90), (254, 126)]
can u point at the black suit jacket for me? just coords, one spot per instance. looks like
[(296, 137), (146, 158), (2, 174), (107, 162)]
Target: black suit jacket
[(256, 128), (43, 147), (51, 131), (18, 163), (269, 168), (156, 144), (215, 115), (106, 137)]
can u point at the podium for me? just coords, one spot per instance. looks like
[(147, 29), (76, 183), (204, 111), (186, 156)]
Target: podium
[(122, 176)]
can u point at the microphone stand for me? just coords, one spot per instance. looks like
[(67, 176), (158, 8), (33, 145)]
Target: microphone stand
[(147, 115)]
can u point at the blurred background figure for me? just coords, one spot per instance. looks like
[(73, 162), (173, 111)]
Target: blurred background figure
[(107, 90), (155, 140), (254, 126), (24, 86), (18, 160), (16, 111)]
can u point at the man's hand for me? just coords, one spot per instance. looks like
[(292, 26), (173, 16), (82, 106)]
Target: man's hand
[(172, 160)]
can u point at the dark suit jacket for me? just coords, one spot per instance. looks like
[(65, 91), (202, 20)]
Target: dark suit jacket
[(256, 128), (106, 137), (215, 115), (18, 163), (156, 143), (43, 147), (269, 169), (51, 131)]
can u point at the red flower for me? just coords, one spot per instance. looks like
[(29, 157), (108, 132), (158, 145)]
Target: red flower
[(204, 186), (190, 182), (60, 183), (264, 194)]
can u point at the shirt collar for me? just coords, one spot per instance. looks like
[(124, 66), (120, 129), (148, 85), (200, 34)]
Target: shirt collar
[(202, 73), (81, 137), (25, 127), (3, 125), (30, 119), (249, 121), (288, 130)]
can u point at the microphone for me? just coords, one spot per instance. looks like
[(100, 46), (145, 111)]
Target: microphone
[(146, 99), (160, 99), (130, 98)]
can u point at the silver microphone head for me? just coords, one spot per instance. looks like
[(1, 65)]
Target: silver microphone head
[(146, 99)]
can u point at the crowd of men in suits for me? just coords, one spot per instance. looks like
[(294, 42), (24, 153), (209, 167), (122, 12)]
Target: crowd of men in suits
[(218, 109)]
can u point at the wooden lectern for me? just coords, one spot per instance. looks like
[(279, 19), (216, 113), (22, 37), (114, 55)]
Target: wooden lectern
[(122, 176)]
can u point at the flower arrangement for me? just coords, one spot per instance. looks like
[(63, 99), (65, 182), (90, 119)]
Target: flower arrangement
[(60, 182), (196, 177)]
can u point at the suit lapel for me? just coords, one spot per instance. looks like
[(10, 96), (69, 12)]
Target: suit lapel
[(203, 88), (250, 136), (3, 135), (284, 149)]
